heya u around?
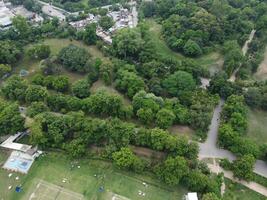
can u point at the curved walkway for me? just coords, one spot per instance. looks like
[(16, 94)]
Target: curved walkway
[(209, 149)]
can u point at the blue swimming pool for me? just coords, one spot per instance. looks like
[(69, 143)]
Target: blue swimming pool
[(18, 162)]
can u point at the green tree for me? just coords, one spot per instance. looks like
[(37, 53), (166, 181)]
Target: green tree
[(127, 43), (4, 69), (74, 58), (253, 97), (125, 159), (76, 148), (21, 26), (106, 22), (9, 52), (35, 108), (165, 118), (210, 196), (243, 167), (89, 34), (178, 83), (40, 51), (15, 88), (191, 48), (105, 73), (10, 119), (172, 170), (145, 115), (81, 88), (61, 83), (129, 83), (35, 93)]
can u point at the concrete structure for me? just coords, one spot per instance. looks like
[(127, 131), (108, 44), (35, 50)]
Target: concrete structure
[(123, 18), (82, 23), (22, 156), (5, 16), (20, 10), (191, 196)]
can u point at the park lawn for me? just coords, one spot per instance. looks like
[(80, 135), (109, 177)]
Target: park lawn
[(5, 181), (159, 43), (257, 120), (235, 191), (32, 66), (212, 61), (57, 44), (53, 167)]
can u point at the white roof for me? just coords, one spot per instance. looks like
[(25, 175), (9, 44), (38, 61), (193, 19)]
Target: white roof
[(5, 15), (9, 144), (192, 196)]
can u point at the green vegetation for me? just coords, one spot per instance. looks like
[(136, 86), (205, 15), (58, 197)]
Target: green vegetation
[(148, 88), (257, 120), (53, 167), (235, 191), (211, 61)]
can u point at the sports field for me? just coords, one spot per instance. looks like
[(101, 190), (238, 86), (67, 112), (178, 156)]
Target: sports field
[(57, 177), (46, 191)]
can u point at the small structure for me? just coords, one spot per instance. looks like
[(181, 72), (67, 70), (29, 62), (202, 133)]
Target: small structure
[(23, 73), (5, 16), (191, 196), (22, 156)]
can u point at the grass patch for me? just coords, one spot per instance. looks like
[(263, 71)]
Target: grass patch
[(56, 45), (159, 43), (98, 85), (54, 167), (212, 61), (182, 130), (235, 191), (260, 180), (257, 126)]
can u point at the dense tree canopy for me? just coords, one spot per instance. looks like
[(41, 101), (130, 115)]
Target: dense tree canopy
[(9, 52), (178, 83), (74, 58)]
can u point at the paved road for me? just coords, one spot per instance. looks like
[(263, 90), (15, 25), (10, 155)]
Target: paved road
[(215, 168), (209, 149)]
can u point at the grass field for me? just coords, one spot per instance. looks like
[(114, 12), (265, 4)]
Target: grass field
[(212, 61), (56, 45), (235, 191), (257, 126), (86, 180)]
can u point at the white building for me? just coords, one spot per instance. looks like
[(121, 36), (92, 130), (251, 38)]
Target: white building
[(5, 16), (191, 196)]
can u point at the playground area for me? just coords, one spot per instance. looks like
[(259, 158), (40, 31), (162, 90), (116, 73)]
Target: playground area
[(46, 191)]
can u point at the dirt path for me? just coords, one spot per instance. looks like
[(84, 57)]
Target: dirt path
[(244, 51), (215, 168)]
